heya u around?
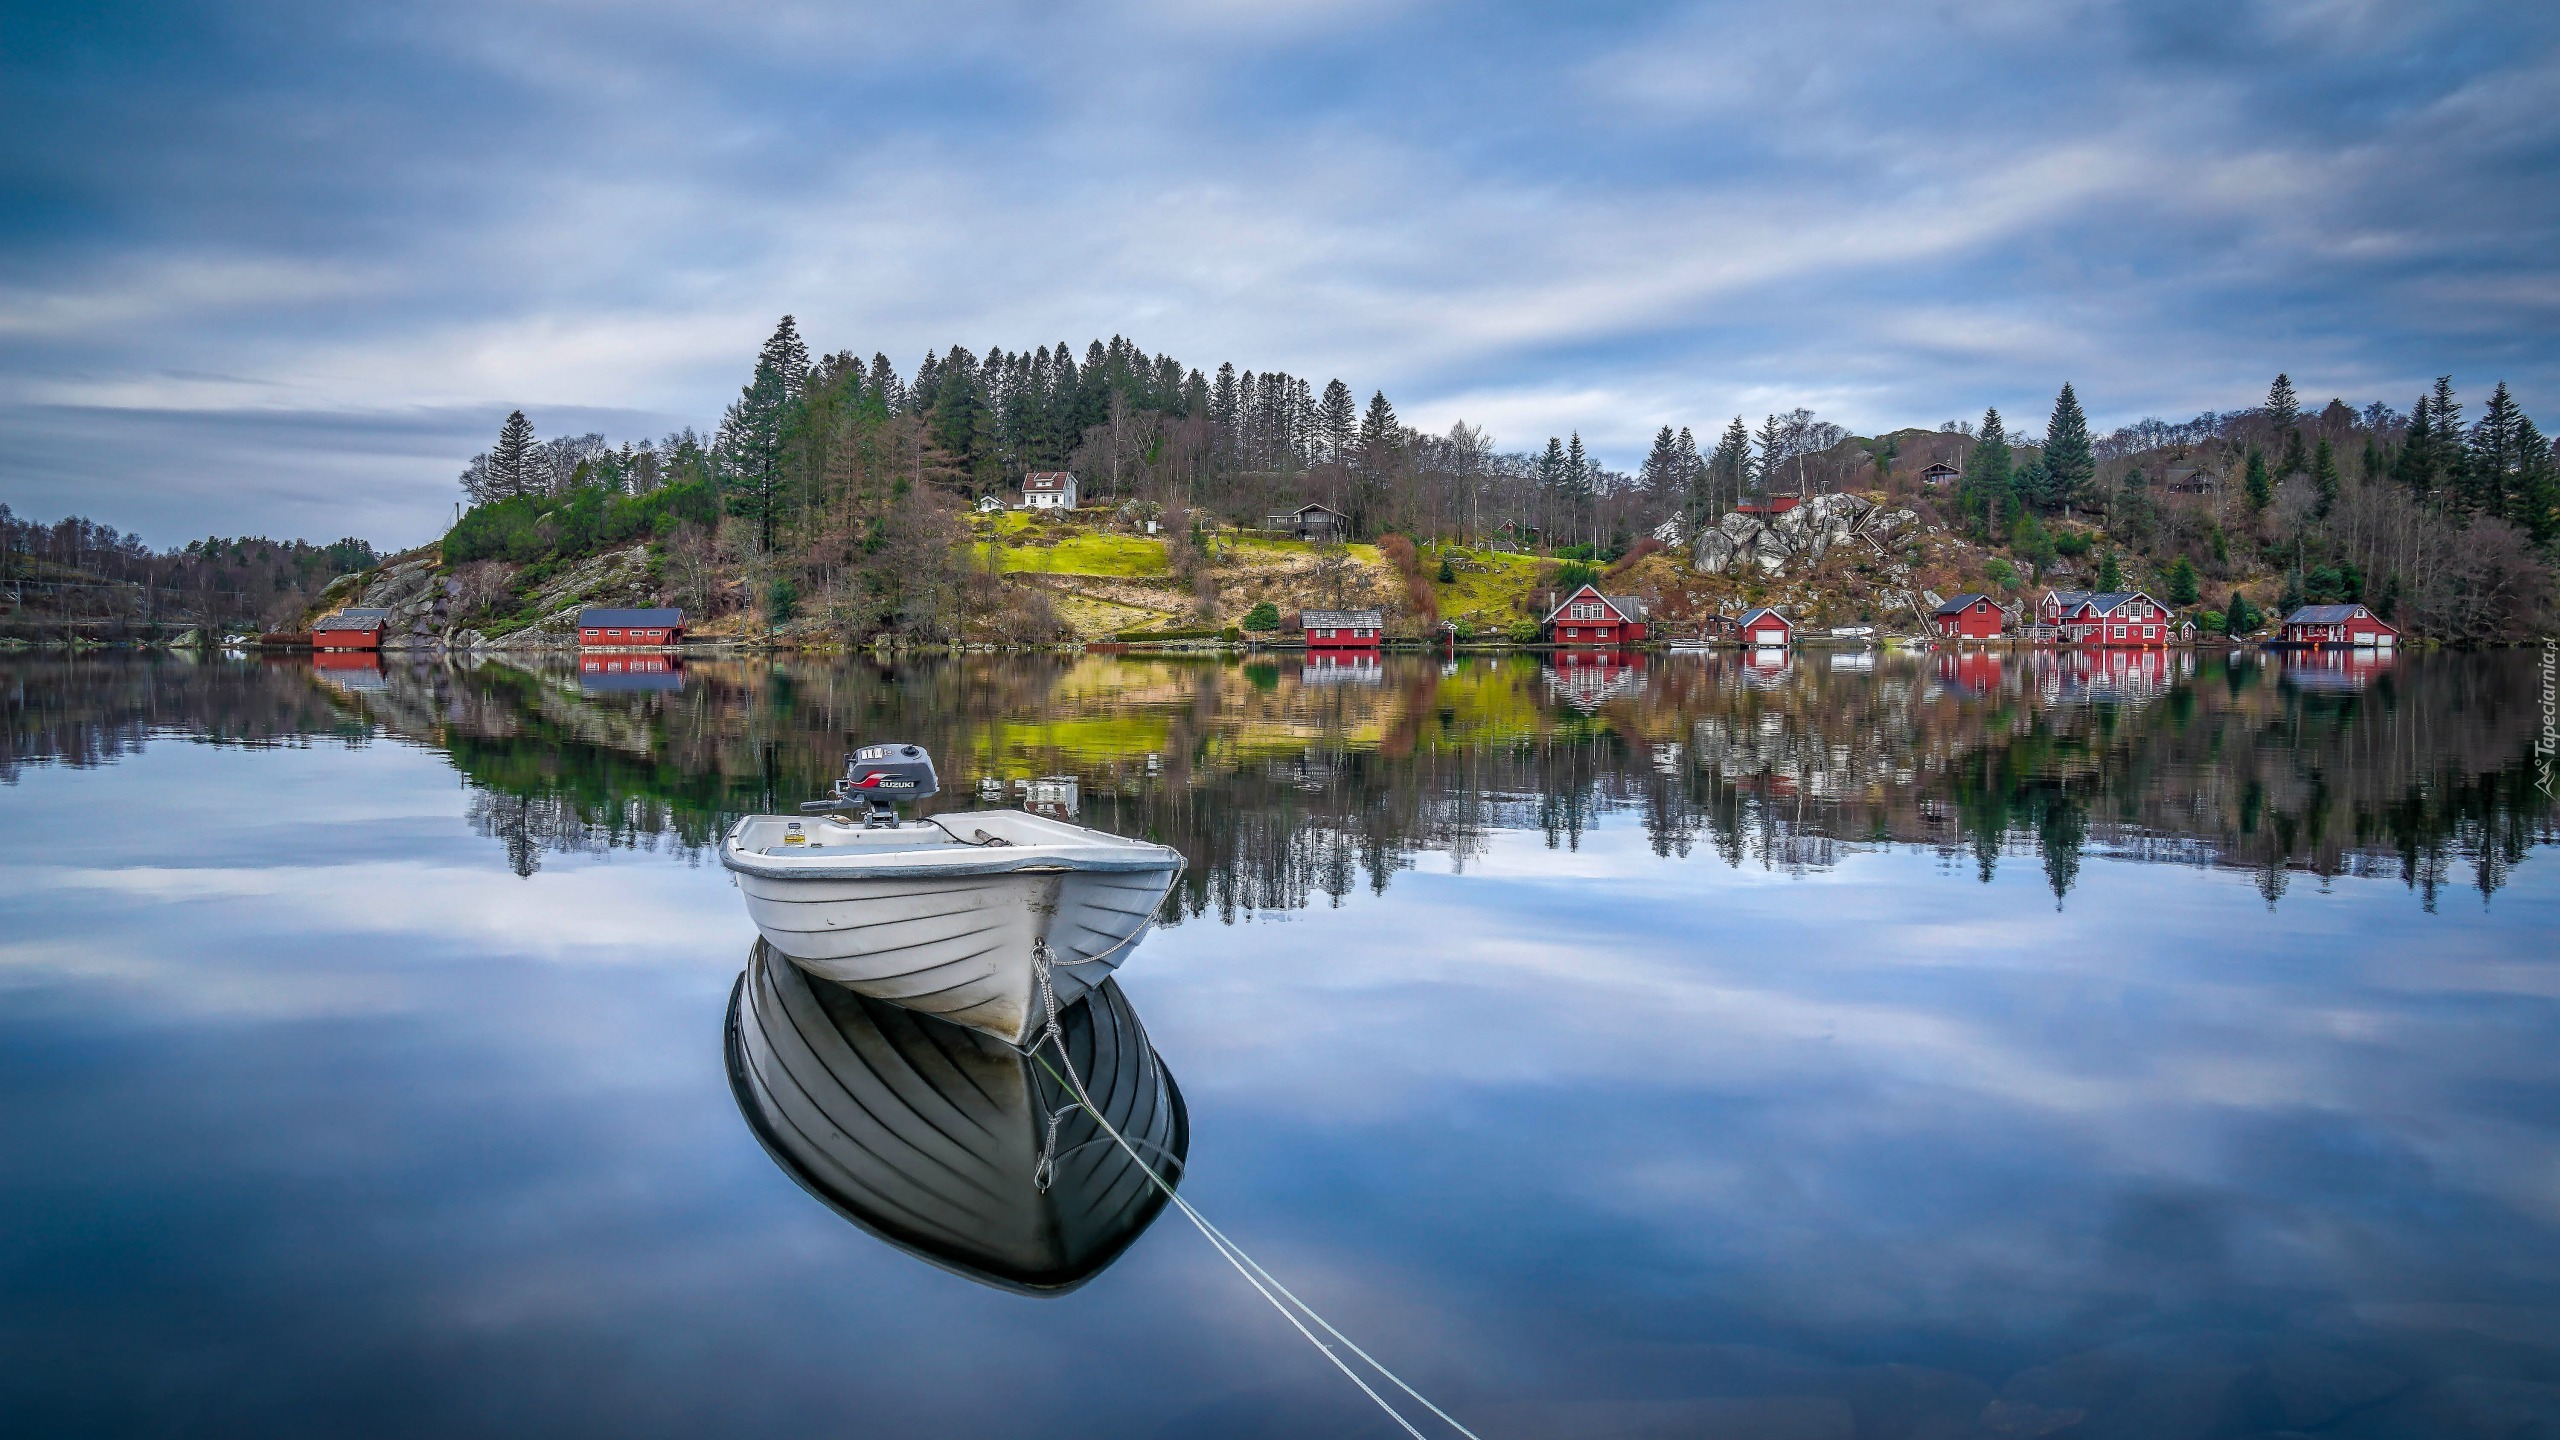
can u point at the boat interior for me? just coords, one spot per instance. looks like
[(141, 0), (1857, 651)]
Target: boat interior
[(846, 835)]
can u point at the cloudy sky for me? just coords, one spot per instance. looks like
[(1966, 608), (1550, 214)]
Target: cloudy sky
[(282, 267)]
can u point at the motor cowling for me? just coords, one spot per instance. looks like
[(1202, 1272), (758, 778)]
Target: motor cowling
[(894, 774)]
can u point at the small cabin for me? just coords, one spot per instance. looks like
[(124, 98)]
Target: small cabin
[(1588, 617), (2188, 482), (1764, 628), (1770, 508), (988, 504), (350, 630), (2339, 626), (1318, 523), (600, 629), (1969, 616), (1049, 490), (1940, 475), (1343, 629)]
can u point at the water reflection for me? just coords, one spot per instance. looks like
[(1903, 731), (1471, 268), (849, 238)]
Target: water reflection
[(1286, 787), (950, 1145)]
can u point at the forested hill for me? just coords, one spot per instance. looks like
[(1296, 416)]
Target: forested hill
[(840, 494), (75, 579)]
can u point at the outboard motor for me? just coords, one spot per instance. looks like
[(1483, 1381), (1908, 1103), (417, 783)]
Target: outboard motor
[(878, 779)]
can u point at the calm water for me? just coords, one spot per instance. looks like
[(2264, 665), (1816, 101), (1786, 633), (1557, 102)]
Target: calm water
[(1892, 1047)]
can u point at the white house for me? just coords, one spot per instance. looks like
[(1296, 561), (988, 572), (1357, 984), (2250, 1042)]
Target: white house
[(1049, 490)]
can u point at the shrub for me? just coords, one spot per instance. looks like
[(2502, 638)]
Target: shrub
[(1524, 632), (1264, 617), (1572, 575)]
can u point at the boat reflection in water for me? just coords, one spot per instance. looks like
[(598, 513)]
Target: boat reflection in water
[(933, 1136)]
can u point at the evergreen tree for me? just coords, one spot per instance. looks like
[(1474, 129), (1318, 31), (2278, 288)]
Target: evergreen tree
[(1729, 469), (1987, 476), (2110, 573), (2417, 448), (2284, 409), (1773, 453), (2534, 502), (1695, 500), (2260, 488), (2496, 457), (2182, 584), (2324, 474), (1579, 488), (1381, 437), (512, 462), (2070, 466), (1664, 483), (752, 430), (2294, 461), (2238, 619), (1338, 422)]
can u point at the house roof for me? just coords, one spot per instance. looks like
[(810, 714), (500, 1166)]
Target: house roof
[(2067, 599), (645, 619), (1958, 604), (1341, 619), (1314, 505), (350, 620), (1759, 610), (1934, 466), (1048, 481), (2324, 614), (1629, 608), (2107, 602)]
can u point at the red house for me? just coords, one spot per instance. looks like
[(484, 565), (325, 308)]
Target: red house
[(1968, 617), (2338, 626), (1765, 628), (349, 630), (600, 629), (1588, 617), (1773, 507), (2106, 617), (1342, 629)]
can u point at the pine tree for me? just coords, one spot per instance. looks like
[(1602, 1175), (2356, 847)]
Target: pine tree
[(2496, 458), (1381, 437), (1663, 481), (2324, 474), (2294, 461), (2237, 618), (2261, 489), (2070, 466), (1730, 469), (1578, 487), (2284, 409), (1987, 476), (2417, 448), (512, 463), (1338, 422), (2182, 587), (2534, 501), (753, 428), (1773, 452), (2110, 573)]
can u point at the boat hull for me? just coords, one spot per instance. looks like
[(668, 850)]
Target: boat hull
[(962, 945), (932, 1138)]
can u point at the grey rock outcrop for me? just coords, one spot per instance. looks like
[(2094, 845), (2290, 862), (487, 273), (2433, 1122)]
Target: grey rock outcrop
[(1805, 534)]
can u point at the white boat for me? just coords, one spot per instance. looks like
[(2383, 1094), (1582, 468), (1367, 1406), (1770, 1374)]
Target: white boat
[(951, 914), (940, 1141)]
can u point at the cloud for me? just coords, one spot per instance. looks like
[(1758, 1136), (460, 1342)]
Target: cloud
[(1664, 214)]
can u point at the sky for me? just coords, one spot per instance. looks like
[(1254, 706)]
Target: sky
[(283, 267)]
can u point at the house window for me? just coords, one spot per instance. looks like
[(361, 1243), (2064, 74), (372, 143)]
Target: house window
[(2150, 632), (2119, 632)]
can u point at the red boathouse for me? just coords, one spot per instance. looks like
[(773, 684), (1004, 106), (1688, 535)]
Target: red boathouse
[(2339, 626), (349, 630), (1343, 629), (1968, 617), (1766, 629), (1588, 617), (600, 629)]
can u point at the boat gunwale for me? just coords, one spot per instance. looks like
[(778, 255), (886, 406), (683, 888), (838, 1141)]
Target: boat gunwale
[(959, 861)]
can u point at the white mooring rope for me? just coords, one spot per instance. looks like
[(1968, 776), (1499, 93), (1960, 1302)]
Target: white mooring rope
[(1245, 1265)]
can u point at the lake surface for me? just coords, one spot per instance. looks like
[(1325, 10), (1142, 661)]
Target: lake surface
[(1843, 1046)]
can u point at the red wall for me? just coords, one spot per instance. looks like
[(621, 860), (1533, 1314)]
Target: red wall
[(1980, 620), (346, 639), (630, 638)]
